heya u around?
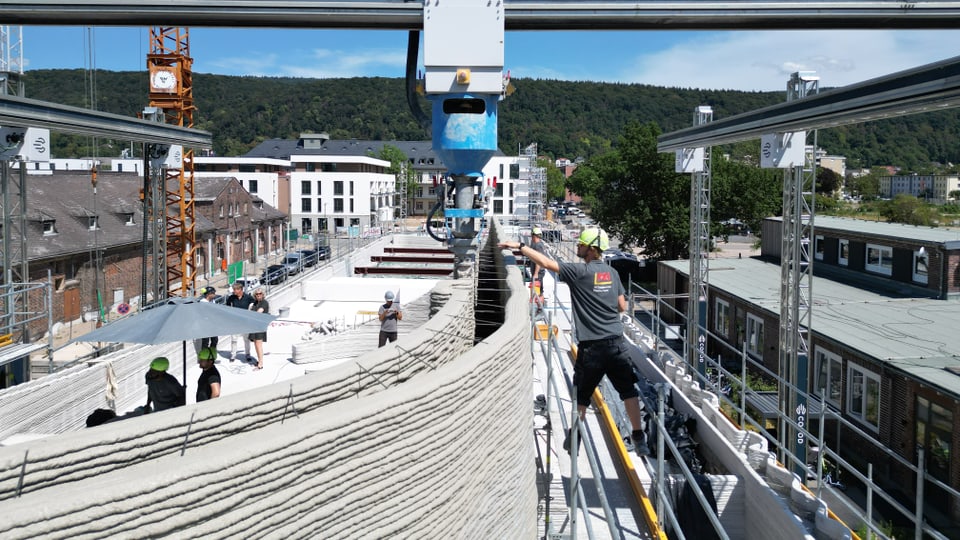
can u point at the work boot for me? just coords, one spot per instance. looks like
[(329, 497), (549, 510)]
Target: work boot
[(639, 440)]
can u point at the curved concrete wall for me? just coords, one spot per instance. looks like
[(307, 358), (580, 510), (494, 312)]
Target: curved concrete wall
[(430, 442)]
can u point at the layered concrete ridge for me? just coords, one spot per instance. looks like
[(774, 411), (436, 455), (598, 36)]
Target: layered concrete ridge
[(432, 441)]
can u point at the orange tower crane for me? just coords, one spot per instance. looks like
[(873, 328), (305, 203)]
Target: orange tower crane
[(171, 90)]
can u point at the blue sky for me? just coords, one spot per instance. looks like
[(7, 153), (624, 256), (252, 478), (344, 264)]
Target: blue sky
[(715, 60)]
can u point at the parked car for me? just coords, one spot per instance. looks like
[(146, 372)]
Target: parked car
[(323, 253), (309, 257), (293, 262), (274, 274), (249, 283)]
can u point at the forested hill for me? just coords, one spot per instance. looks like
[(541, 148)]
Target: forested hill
[(567, 119)]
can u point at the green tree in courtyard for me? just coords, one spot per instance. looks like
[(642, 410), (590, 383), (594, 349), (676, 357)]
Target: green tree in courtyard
[(745, 192), (636, 195)]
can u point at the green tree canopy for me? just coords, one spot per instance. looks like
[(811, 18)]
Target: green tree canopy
[(636, 195), (908, 209)]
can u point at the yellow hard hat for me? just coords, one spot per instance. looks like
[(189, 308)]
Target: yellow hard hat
[(595, 237)]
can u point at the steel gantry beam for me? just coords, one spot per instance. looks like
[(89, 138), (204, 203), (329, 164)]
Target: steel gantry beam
[(926, 88), (529, 15), (18, 111)]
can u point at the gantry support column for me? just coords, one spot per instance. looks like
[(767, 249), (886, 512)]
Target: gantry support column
[(698, 163), (796, 279)]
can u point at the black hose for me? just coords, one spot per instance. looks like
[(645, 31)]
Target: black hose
[(413, 52)]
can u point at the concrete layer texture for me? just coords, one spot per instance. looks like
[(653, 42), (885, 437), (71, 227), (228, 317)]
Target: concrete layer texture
[(432, 441)]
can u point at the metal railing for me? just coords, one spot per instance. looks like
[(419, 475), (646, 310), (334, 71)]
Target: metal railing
[(740, 382)]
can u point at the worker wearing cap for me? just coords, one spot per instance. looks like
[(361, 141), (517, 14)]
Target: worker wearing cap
[(207, 294), (208, 386), (389, 314), (537, 243), (163, 389), (598, 299)]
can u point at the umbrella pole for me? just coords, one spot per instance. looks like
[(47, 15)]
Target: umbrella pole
[(184, 368)]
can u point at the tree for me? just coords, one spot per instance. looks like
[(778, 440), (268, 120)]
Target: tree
[(867, 186), (556, 181), (828, 181), (908, 209), (636, 195)]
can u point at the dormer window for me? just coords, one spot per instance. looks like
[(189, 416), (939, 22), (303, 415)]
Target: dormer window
[(128, 219), (49, 227), (93, 222)]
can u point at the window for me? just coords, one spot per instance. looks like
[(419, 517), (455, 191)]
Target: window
[(498, 191), (722, 321), (351, 204), (829, 370), (863, 396), (319, 187), (338, 187), (879, 259), (128, 219), (338, 222), (328, 167), (252, 186), (93, 222), (498, 207), (351, 188), (305, 187), (934, 434), (306, 225), (755, 335), (514, 171), (338, 205), (818, 247), (310, 167), (248, 168), (322, 224), (246, 209), (305, 204), (920, 261), (49, 227), (221, 210), (843, 257)]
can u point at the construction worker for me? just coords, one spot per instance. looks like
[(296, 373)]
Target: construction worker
[(598, 299)]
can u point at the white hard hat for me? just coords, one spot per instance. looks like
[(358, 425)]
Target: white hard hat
[(388, 295)]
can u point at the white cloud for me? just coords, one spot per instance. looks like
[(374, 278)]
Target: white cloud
[(316, 63), (765, 60)]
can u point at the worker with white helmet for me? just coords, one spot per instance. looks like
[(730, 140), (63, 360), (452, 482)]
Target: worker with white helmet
[(389, 314), (598, 299)]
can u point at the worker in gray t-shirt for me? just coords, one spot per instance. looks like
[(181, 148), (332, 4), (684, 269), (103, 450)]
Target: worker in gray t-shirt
[(598, 299), (389, 314)]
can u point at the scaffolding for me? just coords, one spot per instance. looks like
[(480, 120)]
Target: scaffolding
[(531, 190), (11, 61)]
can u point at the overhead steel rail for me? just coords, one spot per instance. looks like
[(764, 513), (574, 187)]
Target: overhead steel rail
[(23, 112), (926, 88), (530, 15)]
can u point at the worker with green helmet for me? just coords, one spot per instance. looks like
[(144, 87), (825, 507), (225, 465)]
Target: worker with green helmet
[(164, 391), (208, 385), (598, 299)]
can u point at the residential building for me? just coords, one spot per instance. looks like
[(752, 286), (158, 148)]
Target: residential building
[(932, 188)]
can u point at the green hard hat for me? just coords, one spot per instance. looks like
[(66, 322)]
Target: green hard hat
[(207, 353), (160, 364), (595, 237)]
